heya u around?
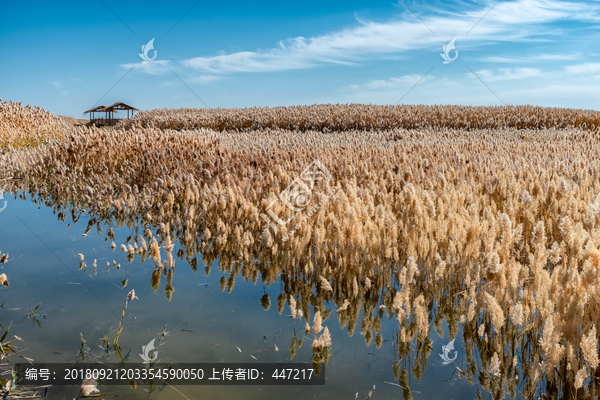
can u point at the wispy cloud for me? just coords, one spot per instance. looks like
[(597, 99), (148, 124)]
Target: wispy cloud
[(56, 83), (506, 74), (206, 79), (157, 67), (538, 57), (508, 21), (391, 83), (587, 70), (60, 85), (559, 92), (584, 69)]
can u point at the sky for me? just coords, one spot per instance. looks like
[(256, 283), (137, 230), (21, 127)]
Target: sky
[(68, 56)]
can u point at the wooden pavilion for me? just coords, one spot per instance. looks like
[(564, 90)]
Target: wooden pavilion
[(94, 119), (109, 113)]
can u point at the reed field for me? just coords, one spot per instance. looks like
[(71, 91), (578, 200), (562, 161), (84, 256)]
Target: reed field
[(484, 218), (26, 126), (329, 118)]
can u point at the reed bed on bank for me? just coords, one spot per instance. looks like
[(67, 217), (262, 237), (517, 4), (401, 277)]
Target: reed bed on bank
[(26, 126), (339, 117), (497, 230)]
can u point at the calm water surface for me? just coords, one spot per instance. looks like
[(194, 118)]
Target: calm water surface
[(205, 324)]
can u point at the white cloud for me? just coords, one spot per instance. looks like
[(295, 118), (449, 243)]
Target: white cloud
[(560, 94), (206, 79), (406, 81), (158, 67), (551, 93), (60, 85), (556, 57), (505, 74), (584, 69), (539, 57), (507, 21), (566, 87), (56, 83), (498, 59)]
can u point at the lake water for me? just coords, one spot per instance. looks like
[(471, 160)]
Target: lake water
[(205, 324)]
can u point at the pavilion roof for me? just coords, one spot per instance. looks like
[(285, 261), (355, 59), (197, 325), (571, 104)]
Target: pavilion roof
[(121, 106), (99, 109)]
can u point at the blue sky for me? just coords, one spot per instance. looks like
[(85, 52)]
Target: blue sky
[(69, 56)]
